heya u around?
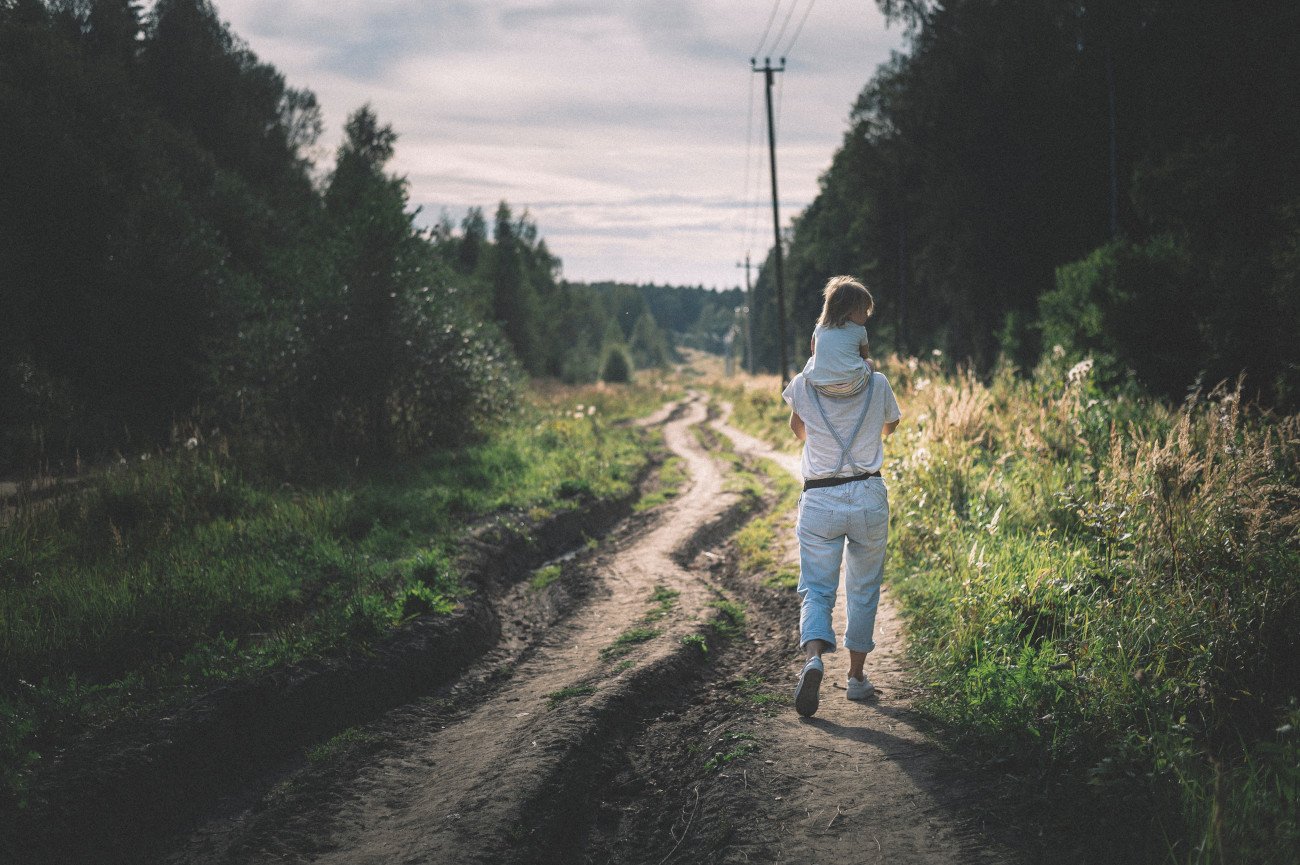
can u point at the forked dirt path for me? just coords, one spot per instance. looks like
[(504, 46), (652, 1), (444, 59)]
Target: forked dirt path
[(468, 790), (862, 782), (548, 751)]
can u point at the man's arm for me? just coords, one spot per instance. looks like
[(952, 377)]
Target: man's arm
[(888, 429), (796, 426)]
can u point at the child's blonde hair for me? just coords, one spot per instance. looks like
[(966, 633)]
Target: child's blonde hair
[(844, 295)]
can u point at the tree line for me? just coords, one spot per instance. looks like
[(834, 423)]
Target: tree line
[(1117, 177), (172, 261)]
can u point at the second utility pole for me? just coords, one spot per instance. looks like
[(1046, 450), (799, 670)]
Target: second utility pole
[(767, 69)]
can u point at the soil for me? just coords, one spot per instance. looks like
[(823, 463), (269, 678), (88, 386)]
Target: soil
[(624, 715)]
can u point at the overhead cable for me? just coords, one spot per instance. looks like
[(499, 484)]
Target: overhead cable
[(768, 29), (795, 38)]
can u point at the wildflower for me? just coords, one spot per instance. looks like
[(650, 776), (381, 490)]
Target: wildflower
[(912, 364), (191, 443), (1079, 371), (1058, 352), (591, 410), (922, 384), (937, 352)]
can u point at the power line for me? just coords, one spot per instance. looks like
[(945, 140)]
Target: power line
[(770, 18), (785, 24), (795, 38)]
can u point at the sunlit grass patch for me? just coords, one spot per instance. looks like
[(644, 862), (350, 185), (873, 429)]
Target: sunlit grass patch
[(163, 577), (759, 541), (555, 698), (672, 475), (1100, 592), (730, 621), (626, 641), (543, 577)]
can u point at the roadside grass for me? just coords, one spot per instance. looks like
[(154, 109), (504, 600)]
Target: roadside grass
[(165, 576), (668, 484), (759, 542), (757, 408), (346, 742), (626, 641), (543, 577), (1102, 601), (555, 698)]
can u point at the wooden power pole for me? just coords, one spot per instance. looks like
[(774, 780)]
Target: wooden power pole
[(749, 316), (767, 69)]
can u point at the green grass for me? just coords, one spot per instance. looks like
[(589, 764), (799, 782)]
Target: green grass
[(758, 542), (756, 692), (698, 641), (168, 575), (730, 621), (627, 640), (671, 477), (543, 577), (664, 600), (555, 698), (732, 746), (1102, 601), (343, 743)]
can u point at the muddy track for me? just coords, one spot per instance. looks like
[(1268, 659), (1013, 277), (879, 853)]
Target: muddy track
[(552, 749), (501, 767), (732, 775)]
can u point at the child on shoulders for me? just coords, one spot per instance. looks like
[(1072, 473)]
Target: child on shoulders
[(839, 364)]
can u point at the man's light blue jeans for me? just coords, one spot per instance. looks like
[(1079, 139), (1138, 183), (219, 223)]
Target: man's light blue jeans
[(852, 517)]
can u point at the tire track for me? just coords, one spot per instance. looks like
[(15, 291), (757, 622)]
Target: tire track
[(861, 781), (468, 791)]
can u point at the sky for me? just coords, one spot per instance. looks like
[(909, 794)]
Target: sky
[(633, 132)]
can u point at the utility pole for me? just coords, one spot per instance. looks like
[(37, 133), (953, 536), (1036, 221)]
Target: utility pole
[(767, 69), (749, 315)]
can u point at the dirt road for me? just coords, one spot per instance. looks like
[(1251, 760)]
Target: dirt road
[(623, 718)]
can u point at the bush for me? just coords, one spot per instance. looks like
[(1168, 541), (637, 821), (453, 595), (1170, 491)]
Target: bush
[(1130, 307)]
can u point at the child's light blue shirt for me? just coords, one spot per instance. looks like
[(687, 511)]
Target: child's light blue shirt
[(836, 358)]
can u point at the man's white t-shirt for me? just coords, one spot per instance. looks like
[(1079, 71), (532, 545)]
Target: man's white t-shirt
[(821, 453)]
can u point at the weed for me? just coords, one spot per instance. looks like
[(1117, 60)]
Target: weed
[(543, 577), (626, 640), (344, 743), (664, 599), (731, 619), (555, 698), (732, 746), (671, 477), (698, 641)]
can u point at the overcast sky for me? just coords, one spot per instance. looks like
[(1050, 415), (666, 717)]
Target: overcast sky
[(622, 126)]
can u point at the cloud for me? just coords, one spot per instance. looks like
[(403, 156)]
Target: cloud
[(624, 127)]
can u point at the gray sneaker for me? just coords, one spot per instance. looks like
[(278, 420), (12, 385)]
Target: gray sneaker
[(810, 682), (860, 689)]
